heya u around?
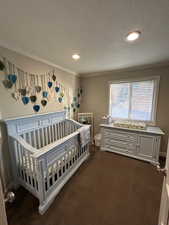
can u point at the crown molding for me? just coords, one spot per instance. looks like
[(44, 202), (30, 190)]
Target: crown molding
[(37, 58), (127, 69)]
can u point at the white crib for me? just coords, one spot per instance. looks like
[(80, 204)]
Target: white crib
[(46, 150)]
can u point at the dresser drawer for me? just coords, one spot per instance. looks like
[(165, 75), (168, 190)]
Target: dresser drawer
[(123, 145), (119, 135)]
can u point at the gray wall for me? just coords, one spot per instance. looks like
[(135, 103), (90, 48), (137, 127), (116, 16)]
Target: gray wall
[(96, 91)]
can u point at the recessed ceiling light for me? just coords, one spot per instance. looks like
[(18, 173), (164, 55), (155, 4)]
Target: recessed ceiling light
[(76, 56), (132, 36)]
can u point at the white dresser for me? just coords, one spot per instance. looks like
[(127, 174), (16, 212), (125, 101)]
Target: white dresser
[(139, 144)]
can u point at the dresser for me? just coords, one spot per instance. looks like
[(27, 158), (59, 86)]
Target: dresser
[(139, 144)]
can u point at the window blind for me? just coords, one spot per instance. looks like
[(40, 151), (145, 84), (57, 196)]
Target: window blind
[(133, 100)]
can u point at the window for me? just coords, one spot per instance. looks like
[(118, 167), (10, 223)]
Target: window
[(134, 100)]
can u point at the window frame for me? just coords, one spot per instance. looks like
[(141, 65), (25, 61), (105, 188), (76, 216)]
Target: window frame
[(155, 97)]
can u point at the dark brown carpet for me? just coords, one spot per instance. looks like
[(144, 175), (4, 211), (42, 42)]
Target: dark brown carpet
[(108, 189)]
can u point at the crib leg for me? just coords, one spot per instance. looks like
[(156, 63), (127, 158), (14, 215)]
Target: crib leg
[(42, 209)]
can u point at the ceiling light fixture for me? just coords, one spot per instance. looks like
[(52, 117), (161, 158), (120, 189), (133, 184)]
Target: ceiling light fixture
[(132, 36), (76, 56)]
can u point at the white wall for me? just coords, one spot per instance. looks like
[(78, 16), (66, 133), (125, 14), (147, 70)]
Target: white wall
[(9, 107)]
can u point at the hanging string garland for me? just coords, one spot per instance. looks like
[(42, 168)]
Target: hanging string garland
[(32, 88)]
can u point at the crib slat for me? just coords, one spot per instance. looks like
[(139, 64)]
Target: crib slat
[(38, 139), (46, 136), (61, 129), (20, 159), (53, 173), (53, 129), (34, 139), (50, 138), (43, 137), (35, 174), (64, 130), (30, 138), (23, 162), (17, 158), (47, 179), (30, 171), (59, 136), (57, 128), (67, 128)]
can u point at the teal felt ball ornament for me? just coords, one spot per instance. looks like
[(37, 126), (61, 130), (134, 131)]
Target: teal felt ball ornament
[(12, 78), (25, 100), (49, 84), (57, 89), (36, 108)]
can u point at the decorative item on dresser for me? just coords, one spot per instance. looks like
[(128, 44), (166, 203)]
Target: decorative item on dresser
[(139, 144), (46, 150)]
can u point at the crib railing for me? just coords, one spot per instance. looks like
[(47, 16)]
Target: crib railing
[(43, 136)]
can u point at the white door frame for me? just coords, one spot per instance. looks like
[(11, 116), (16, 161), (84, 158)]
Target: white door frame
[(164, 206), (3, 218)]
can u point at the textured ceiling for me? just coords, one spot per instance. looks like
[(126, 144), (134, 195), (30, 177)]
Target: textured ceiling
[(55, 29)]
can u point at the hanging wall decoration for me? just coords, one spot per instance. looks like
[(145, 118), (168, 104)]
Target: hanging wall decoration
[(75, 105), (6, 82), (53, 76), (57, 88), (38, 89), (36, 108), (44, 102), (2, 66)]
